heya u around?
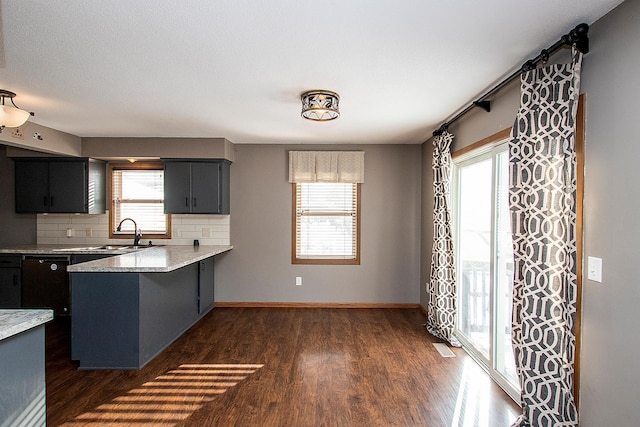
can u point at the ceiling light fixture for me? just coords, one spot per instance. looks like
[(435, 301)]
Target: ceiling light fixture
[(11, 116), (320, 105)]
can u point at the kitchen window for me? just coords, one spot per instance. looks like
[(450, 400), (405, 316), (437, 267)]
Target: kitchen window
[(137, 192), (326, 223)]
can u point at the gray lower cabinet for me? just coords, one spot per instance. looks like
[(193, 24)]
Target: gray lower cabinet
[(22, 379), (60, 185), (205, 285), (124, 320), (10, 281), (196, 186)]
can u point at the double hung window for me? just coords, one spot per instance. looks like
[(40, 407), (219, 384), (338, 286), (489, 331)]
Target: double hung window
[(326, 206), (137, 192), (326, 225)]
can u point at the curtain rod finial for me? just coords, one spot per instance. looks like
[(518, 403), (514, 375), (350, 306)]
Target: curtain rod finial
[(580, 37), (442, 129), (582, 29)]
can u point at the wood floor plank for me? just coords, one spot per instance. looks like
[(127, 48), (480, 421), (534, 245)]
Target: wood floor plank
[(283, 367)]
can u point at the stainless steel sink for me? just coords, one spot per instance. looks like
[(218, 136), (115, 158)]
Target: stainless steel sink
[(80, 249), (116, 247)]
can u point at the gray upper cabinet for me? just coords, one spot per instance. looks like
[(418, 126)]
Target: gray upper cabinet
[(60, 185), (196, 186)]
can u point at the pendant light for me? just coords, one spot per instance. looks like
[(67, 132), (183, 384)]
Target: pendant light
[(11, 115)]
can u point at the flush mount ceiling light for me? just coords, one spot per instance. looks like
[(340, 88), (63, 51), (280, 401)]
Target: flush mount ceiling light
[(10, 115), (320, 105)]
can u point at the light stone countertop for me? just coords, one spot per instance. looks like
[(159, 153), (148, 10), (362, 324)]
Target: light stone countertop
[(63, 250), (13, 322), (157, 259)]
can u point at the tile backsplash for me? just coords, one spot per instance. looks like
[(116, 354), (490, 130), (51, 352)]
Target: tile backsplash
[(94, 230)]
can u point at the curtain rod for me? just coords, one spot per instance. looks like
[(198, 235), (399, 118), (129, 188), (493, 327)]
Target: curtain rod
[(578, 37)]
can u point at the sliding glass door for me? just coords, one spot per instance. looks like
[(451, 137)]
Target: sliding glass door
[(474, 255), (485, 262)]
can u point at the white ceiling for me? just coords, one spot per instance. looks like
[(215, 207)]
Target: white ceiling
[(236, 68)]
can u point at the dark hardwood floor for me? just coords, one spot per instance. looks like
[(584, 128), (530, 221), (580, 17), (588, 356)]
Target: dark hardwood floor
[(282, 367)]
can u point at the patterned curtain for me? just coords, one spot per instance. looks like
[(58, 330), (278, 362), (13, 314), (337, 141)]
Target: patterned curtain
[(441, 308), (542, 198)]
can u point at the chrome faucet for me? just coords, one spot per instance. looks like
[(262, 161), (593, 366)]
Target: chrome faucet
[(137, 233)]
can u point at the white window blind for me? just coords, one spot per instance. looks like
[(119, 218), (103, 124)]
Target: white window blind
[(326, 221), (138, 194)]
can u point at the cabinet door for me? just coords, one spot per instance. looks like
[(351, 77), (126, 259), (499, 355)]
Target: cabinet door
[(10, 289), (68, 187), (32, 186), (205, 187), (205, 285), (177, 187)]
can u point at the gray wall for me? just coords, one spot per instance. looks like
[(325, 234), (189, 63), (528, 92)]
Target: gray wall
[(259, 267), (153, 148), (610, 378), (426, 221), (15, 229), (53, 141), (610, 332)]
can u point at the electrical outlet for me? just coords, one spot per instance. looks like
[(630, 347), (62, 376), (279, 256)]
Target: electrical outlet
[(298, 281), (89, 232), (594, 269), (206, 232), (17, 133)]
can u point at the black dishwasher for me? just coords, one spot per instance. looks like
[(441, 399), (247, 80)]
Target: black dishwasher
[(45, 283)]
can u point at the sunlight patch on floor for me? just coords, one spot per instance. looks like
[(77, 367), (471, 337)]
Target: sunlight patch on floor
[(168, 399), (474, 400)]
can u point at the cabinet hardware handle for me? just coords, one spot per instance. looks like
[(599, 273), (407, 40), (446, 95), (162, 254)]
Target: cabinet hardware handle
[(186, 201), (15, 280), (51, 201), (194, 202), (46, 201)]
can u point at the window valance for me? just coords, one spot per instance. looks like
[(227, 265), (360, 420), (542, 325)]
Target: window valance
[(326, 166)]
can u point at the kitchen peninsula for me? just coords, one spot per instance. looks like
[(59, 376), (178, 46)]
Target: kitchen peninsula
[(128, 308), (22, 371)]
